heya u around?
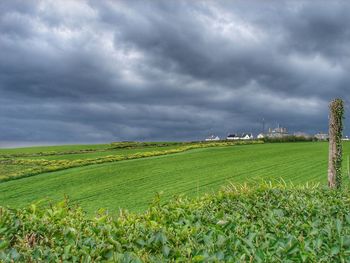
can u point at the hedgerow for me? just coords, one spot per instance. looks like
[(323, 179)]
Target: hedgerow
[(289, 138), (51, 153), (258, 224), (38, 166), (131, 144), (112, 146)]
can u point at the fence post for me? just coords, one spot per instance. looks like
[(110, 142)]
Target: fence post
[(336, 115)]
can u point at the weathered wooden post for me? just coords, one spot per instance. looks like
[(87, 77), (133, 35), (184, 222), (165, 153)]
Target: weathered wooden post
[(336, 115)]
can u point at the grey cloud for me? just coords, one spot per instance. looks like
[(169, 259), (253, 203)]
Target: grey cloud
[(94, 71)]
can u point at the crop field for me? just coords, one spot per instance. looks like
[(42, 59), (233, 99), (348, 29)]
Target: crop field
[(24, 164), (133, 183)]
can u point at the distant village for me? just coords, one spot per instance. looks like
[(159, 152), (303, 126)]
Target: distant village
[(273, 133)]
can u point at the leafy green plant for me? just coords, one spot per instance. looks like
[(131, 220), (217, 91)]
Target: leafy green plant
[(238, 224)]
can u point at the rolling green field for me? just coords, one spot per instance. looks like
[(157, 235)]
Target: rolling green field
[(24, 162), (132, 184), (58, 148), (98, 154)]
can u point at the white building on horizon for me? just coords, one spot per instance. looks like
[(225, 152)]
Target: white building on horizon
[(232, 137), (243, 136), (260, 136), (247, 136), (212, 138), (322, 136)]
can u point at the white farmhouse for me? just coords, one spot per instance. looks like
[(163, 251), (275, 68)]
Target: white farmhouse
[(213, 138), (232, 137), (322, 136), (247, 136), (260, 136)]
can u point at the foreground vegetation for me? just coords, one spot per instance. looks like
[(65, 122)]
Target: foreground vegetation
[(132, 184), (263, 224)]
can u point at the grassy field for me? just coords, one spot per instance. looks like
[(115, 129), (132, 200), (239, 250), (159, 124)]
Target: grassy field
[(23, 162), (79, 147), (132, 184), (58, 148), (19, 165), (98, 154)]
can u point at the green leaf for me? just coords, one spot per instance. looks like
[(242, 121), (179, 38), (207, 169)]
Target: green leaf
[(166, 251), (338, 225), (335, 250), (198, 258), (4, 244), (346, 241)]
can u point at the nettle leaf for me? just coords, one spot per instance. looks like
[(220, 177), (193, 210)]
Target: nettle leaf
[(141, 242), (4, 244), (160, 237), (293, 248), (278, 212), (319, 243), (198, 258), (339, 226), (346, 241), (335, 250), (220, 240), (14, 254), (67, 249), (108, 253), (166, 251), (347, 218)]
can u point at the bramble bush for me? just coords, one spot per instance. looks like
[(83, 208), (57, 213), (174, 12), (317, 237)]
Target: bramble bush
[(238, 224)]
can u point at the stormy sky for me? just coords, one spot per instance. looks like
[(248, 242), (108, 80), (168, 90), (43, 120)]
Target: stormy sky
[(101, 71)]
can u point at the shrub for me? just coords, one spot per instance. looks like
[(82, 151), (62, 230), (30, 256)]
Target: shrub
[(289, 138), (263, 224)]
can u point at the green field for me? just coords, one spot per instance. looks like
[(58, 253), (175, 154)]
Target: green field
[(58, 148), (23, 162), (132, 184), (98, 154), (76, 147)]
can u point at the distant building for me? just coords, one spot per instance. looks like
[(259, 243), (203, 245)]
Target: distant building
[(302, 134), (232, 137), (243, 136), (247, 136), (346, 138), (322, 136), (260, 136), (278, 132), (212, 138)]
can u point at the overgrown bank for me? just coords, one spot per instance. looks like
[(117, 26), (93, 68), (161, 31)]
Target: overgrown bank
[(264, 224)]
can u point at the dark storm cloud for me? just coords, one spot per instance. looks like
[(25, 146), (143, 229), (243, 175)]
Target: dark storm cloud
[(93, 71)]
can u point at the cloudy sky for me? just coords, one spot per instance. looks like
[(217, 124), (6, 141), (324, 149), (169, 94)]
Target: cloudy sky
[(101, 71)]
